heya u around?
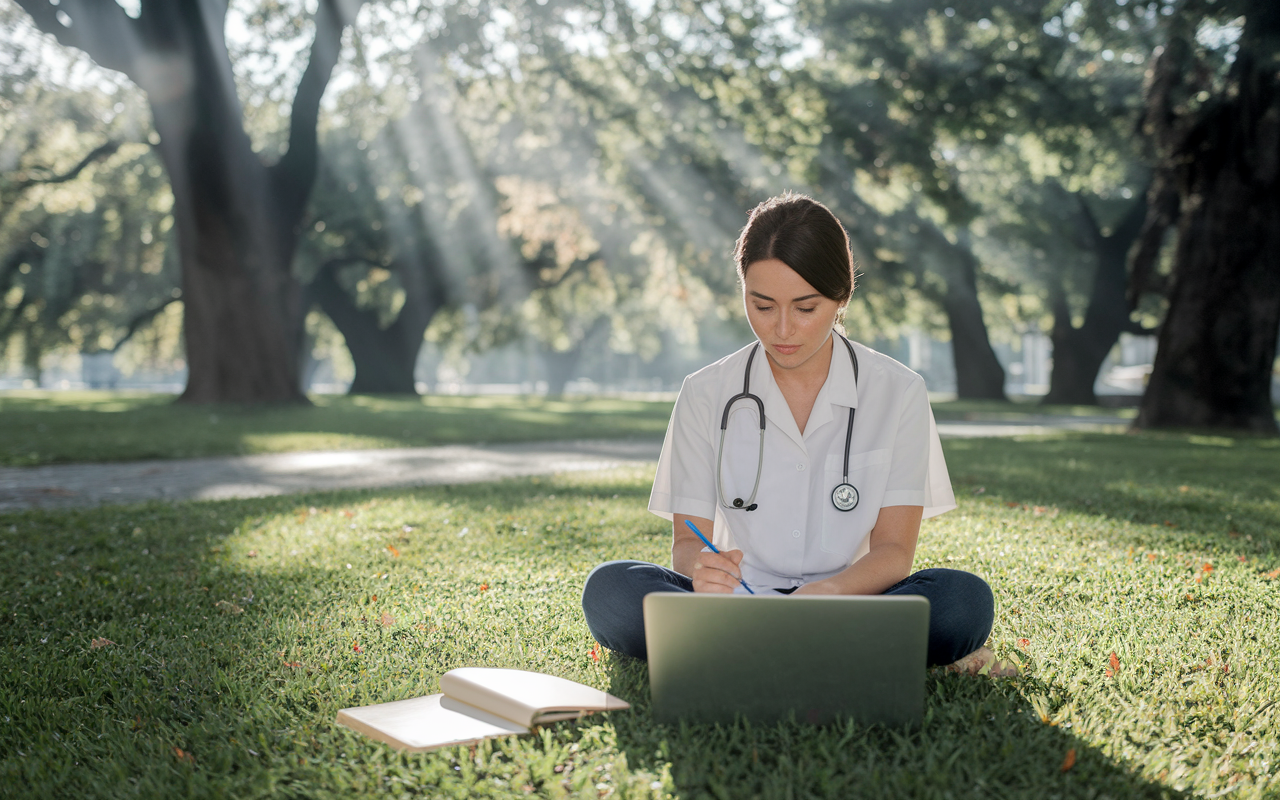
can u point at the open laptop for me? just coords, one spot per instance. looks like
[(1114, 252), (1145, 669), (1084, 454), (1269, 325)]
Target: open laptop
[(713, 657)]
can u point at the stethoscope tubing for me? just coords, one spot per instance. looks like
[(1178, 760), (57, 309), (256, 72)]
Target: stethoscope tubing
[(746, 394)]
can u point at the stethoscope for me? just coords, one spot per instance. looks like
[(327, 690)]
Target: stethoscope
[(844, 497)]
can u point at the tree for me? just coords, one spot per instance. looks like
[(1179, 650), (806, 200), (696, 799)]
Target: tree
[(1214, 126), (83, 222), (237, 217)]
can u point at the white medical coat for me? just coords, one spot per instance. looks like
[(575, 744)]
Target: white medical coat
[(796, 535)]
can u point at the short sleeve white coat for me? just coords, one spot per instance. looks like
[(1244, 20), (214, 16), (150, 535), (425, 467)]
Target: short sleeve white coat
[(796, 534)]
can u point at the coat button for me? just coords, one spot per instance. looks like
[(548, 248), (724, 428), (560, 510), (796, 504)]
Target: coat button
[(795, 534), (799, 467)]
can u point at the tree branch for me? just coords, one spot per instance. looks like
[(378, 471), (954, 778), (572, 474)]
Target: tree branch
[(295, 173), (1164, 206), (100, 152), (142, 319), (99, 28)]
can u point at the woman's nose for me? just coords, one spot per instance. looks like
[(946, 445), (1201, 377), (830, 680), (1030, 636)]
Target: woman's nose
[(784, 324)]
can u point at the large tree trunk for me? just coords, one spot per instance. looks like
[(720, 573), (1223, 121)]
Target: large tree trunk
[(1217, 344), (237, 218), (384, 357), (979, 375), (1078, 353)]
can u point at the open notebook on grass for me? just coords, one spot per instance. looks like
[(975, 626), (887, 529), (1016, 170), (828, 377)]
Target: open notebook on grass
[(477, 703)]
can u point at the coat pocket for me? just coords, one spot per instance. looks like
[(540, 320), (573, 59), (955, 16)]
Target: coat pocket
[(844, 531)]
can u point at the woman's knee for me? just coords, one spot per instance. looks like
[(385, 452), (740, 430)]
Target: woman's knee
[(613, 604), (961, 612)]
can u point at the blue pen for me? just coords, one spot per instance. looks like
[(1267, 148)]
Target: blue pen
[(694, 528)]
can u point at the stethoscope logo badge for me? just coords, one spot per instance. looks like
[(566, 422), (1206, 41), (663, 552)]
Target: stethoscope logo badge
[(845, 497)]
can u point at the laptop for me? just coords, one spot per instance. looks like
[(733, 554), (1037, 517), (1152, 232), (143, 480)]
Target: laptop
[(715, 657)]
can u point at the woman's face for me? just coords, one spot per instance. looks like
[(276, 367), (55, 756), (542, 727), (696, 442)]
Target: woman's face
[(791, 318)]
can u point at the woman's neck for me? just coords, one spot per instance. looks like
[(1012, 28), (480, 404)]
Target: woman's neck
[(800, 385)]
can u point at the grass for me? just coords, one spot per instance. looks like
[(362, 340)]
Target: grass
[(53, 427), (235, 626), (50, 427)]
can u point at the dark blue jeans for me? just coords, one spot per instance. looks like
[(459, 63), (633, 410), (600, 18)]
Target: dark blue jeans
[(961, 608)]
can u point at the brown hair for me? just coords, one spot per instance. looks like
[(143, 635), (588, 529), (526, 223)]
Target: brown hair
[(803, 234)]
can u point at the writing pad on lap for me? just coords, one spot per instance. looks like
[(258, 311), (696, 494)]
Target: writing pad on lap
[(715, 657)]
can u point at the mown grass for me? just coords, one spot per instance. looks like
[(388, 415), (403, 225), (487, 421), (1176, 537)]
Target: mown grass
[(51, 427), (235, 628)]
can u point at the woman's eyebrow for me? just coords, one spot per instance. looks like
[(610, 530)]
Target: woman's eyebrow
[(794, 300)]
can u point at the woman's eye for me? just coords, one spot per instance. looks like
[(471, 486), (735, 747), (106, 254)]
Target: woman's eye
[(808, 310), (764, 308)]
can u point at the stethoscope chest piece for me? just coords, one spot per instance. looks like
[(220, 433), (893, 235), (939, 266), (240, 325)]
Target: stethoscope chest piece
[(845, 497)]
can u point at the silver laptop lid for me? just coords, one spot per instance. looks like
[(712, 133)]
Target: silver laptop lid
[(713, 657)]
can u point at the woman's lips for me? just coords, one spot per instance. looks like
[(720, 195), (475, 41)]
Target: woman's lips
[(786, 349)]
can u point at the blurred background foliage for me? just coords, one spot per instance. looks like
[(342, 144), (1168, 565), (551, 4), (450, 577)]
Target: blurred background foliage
[(566, 178)]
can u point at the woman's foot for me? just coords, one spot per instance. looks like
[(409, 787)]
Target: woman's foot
[(983, 662)]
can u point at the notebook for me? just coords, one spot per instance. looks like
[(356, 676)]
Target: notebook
[(715, 657), (477, 703)]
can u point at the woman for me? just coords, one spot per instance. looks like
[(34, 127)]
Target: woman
[(806, 501)]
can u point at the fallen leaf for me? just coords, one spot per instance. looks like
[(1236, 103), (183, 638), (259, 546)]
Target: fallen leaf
[(422, 626), (346, 512), (99, 642), (1023, 642), (228, 607), (595, 652), (1242, 559), (484, 587), (1151, 556), (1207, 568), (1011, 504), (387, 620), (181, 755), (356, 647), (1184, 488), (1069, 761), (1169, 524), (1272, 575), (293, 663), (1115, 664), (253, 554), (373, 599), (1188, 595), (394, 552), (1039, 510)]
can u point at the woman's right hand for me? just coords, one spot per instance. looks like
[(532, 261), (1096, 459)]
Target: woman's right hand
[(717, 572)]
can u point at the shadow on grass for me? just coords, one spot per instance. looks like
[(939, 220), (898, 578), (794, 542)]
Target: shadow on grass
[(1176, 490), (979, 738), (52, 427)]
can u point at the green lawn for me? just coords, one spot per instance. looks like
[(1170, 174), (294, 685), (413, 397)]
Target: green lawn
[(239, 628), (51, 427)]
